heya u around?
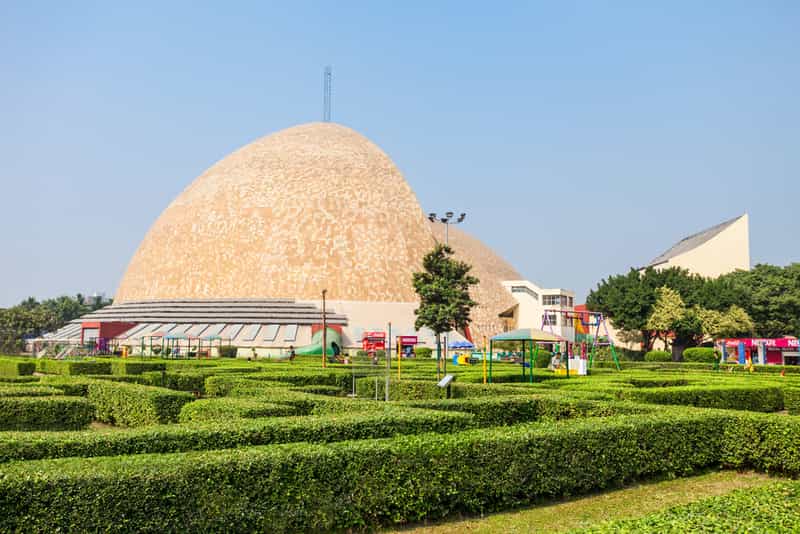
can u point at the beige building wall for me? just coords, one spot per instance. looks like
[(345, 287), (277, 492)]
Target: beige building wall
[(724, 253)]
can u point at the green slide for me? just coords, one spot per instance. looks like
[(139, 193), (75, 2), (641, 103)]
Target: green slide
[(316, 343)]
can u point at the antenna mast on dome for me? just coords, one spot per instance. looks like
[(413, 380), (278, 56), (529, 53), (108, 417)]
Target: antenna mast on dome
[(327, 78)]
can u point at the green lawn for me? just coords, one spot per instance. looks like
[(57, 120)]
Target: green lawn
[(628, 503)]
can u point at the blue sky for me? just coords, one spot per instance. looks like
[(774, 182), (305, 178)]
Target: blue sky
[(582, 138)]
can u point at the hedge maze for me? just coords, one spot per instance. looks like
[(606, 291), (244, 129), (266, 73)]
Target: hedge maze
[(176, 446)]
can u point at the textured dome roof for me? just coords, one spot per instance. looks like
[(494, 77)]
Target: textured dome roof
[(490, 269), (311, 207)]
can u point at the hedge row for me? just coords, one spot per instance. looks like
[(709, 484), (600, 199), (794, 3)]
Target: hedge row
[(18, 379), (68, 367), (126, 367), (771, 508), (391, 421), (752, 398), (357, 484), (701, 354), (29, 391), (45, 413), (511, 410), (226, 409), (406, 389), (135, 405), (791, 400), (16, 367)]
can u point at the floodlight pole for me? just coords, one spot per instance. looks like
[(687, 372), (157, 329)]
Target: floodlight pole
[(447, 220), (324, 333)]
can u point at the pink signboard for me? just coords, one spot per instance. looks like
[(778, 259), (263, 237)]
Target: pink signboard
[(778, 343)]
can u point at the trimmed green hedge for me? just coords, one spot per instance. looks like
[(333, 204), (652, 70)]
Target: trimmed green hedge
[(45, 413), (180, 381), (658, 356), (390, 421), (771, 508), (407, 389), (29, 391), (701, 355), (511, 410), (16, 367), (67, 367), (353, 485), (791, 400), (226, 409), (126, 367), (135, 405), (753, 398)]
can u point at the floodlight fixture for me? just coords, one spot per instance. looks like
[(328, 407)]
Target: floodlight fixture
[(449, 214)]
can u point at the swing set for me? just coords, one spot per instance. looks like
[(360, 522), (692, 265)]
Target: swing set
[(584, 322)]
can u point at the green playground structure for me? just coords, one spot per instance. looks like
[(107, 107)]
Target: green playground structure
[(315, 347)]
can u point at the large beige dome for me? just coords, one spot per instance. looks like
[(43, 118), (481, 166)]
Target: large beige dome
[(313, 207)]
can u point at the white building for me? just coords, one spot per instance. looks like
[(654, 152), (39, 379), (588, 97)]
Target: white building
[(539, 308)]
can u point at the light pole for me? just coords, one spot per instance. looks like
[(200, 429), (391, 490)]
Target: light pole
[(447, 220)]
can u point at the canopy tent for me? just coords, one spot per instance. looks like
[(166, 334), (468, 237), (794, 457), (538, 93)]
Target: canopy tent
[(461, 345), (528, 334), (531, 337)]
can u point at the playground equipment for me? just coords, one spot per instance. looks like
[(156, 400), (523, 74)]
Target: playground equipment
[(530, 338), (584, 322), (334, 339)]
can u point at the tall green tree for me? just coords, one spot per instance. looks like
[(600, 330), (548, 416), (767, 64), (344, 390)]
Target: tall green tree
[(770, 295), (443, 288)]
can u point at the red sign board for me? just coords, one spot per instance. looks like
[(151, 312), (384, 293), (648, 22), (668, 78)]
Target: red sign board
[(407, 340), (372, 341)]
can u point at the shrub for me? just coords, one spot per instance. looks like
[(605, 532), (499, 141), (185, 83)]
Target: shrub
[(44, 413), (226, 409), (66, 367), (389, 421), (29, 391), (227, 351), (135, 405), (424, 352), (753, 398), (353, 485), (768, 508), (190, 381), (658, 356), (124, 367), (543, 359), (791, 400), (16, 367), (701, 355)]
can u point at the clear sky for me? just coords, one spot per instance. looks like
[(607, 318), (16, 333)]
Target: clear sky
[(582, 138)]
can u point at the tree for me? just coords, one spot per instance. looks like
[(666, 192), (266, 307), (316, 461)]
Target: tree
[(628, 299), (770, 295), (668, 310), (443, 289)]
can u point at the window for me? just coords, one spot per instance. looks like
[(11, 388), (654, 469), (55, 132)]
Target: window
[(525, 289), (551, 300), (290, 332), (271, 332), (549, 319)]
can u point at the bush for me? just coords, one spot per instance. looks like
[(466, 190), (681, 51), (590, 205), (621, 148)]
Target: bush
[(227, 351), (226, 409), (701, 355), (752, 398), (389, 421), (135, 405), (658, 356), (124, 367), (355, 485), (28, 391), (423, 352), (791, 400), (191, 381), (45, 413), (770, 508), (66, 367), (543, 359), (16, 367)]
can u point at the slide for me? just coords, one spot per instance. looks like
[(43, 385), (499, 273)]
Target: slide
[(316, 343)]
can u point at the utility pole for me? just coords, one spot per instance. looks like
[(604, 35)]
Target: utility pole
[(327, 78), (324, 333)]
